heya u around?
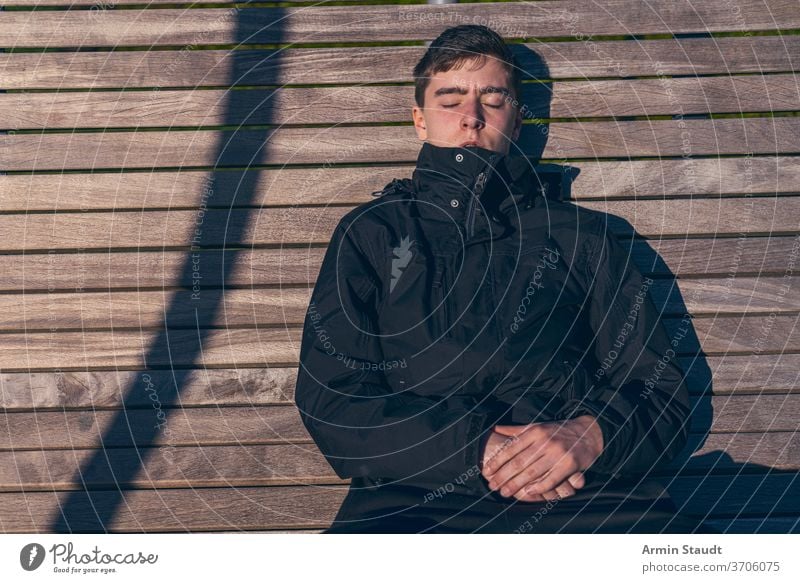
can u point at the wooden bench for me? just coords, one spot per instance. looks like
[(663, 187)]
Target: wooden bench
[(160, 233)]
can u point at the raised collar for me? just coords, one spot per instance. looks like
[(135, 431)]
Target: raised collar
[(445, 180)]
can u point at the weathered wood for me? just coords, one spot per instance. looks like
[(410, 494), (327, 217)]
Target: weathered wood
[(153, 426), (546, 19), (237, 308), (102, 6), (235, 425), (325, 185), (717, 375), (740, 496), (360, 104), (738, 334), (565, 140), (156, 270), (107, 389), (175, 510), (277, 346), (165, 467), (305, 225), (308, 507), (541, 60), (726, 452), (302, 463)]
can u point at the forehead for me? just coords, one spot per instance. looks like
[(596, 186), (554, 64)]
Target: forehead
[(470, 73)]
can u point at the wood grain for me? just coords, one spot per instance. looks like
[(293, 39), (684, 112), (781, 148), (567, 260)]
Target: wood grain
[(386, 103), (245, 148), (393, 64), (546, 19)]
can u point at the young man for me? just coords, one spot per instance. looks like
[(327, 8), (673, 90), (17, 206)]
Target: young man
[(477, 358)]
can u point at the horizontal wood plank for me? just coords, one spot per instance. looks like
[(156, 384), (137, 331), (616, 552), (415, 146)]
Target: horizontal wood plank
[(315, 506), (714, 375), (302, 463), (545, 19), (314, 225), (250, 308), (393, 64), (173, 510), (341, 185), (159, 425), (386, 103), (277, 346), (245, 148), (85, 271)]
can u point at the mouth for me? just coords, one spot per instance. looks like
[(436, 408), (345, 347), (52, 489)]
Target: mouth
[(470, 144)]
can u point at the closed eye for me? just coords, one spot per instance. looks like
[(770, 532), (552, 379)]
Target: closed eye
[(488, 104)]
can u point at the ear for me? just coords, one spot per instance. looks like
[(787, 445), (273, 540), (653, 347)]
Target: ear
[(418, 116)]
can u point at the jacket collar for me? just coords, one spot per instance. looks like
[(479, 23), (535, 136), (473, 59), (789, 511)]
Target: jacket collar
[(445, 182)]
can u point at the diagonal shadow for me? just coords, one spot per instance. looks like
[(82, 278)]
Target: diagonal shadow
[(95, 510)]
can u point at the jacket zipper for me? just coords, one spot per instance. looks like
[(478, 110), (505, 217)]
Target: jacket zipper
[(440, 299), (480, 184)]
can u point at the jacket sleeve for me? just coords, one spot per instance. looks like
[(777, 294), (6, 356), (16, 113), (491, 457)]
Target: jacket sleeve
[(361, 426), (637, 394)]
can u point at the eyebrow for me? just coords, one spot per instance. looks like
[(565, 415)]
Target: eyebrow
[(463, 91)]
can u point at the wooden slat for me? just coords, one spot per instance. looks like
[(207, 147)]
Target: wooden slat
[(726, 375), (254, 425), (193, 148), (741, 495), (234, 308), (165, 467), (240, 308), (744, 334), (546, 19), (107, 389), (542, 60), (107, 6), (257, 347), (174, 510), (156, 270), (341, 185), (263, 465), (730, 452), (283, 506), (145, 428), (360, 104), (283, 226)]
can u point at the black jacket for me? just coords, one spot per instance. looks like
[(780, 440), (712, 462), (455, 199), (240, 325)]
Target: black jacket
[(462, 298)]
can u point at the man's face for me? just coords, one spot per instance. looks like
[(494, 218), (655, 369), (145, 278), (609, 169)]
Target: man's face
[(464, 105)]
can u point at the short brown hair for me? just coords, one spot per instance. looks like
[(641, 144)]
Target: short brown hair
[(461, 43)]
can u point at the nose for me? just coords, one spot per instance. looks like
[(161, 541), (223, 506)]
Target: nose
[(472, 117)]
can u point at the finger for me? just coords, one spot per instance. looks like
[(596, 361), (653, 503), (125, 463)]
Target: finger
[(523, 469), (513, 446), (511, 429), (558, 473), (523, 497), (565, 490), (577, 480)]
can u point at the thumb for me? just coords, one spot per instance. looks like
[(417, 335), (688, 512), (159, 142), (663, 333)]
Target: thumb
[(510, 429)]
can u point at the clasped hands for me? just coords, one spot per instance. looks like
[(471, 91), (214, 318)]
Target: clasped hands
[(541, 461)]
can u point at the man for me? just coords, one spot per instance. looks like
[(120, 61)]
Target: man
[(477, 358)]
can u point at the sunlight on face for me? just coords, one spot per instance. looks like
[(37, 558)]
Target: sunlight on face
[(469, 104)]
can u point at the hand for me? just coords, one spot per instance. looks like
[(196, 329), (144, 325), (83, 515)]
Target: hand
[(542, 456), (497, 442)]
